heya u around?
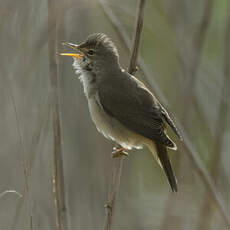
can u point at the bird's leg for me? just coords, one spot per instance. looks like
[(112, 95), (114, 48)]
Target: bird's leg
[(118, 152)]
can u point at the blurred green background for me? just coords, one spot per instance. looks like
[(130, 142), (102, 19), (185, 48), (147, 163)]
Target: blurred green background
[(184, 53)]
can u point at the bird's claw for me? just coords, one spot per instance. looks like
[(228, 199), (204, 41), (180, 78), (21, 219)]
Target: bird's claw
[(119, 152), (108, 206)]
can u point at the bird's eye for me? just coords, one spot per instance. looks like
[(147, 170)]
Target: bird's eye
[(90, 52)]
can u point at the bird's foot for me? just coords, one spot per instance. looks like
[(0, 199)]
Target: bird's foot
[(108, 206), (119, 152)]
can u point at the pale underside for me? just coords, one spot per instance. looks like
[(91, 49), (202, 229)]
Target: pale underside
[(109, 126)]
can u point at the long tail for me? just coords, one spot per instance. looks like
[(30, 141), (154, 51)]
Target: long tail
[(165, 162), (160, 153)]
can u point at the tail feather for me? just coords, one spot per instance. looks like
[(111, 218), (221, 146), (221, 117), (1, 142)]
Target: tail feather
[(166, 165)]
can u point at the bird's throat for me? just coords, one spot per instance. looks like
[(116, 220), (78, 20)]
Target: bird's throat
[(86, 74)]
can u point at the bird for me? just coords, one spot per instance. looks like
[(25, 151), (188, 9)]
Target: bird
[(123, 109)]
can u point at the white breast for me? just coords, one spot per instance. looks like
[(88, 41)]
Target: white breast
[(85, 77)]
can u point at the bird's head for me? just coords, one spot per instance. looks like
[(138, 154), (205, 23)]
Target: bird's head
[(98, 50)]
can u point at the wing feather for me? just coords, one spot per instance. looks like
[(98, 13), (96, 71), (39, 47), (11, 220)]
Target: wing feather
[(138, 110)]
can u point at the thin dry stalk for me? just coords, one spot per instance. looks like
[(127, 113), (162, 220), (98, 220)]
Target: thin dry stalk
[(193, 156), (189, 99), (58, 177), (123, 35), (35, 142), (112, 194), (207, 209), (24, 163), (197, 47), (210, 186), (133, 61), (117, 163)]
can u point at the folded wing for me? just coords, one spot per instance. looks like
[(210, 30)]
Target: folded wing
[(138, 110)]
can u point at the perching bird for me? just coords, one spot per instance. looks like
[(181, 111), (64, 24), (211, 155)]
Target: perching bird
[(121, 106)]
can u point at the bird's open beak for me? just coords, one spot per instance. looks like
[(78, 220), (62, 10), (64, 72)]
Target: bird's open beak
[(73, 46)]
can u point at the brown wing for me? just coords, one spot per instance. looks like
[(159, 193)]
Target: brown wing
[(170, 121), (130, 102)]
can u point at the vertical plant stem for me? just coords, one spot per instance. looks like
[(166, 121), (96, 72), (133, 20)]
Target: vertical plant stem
[(124, 36), (133, 61), (58, 175), (197, 47), (189, 149), (117, 163), (189, 97), (207, 208), (112, 194), (25, 166)]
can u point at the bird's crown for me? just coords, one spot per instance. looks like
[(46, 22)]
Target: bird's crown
[(99, 40)]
